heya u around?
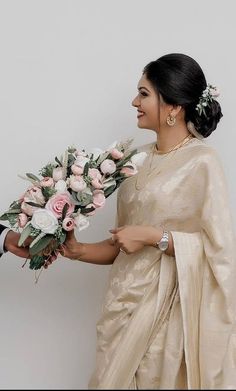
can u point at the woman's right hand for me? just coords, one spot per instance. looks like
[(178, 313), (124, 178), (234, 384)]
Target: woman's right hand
[(71, 248), (99, 253)]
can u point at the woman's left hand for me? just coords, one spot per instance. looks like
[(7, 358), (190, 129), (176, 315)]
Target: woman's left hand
[(132, 238)]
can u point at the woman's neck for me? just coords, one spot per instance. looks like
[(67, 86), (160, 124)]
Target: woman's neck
[(168, 137)]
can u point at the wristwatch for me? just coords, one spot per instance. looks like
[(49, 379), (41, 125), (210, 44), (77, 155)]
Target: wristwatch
[(164, 242)]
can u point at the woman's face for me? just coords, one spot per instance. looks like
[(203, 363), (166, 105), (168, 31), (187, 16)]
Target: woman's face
[(147, 103)]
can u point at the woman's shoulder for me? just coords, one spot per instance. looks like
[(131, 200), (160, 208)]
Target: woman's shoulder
[(205, 155), (202, 149)]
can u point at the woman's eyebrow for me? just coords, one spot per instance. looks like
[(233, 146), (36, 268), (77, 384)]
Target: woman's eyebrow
[(139, 88)]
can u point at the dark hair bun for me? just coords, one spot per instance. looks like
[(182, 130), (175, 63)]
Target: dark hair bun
[(205, 123)]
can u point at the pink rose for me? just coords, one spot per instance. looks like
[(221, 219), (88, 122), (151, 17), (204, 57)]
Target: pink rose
[(94, 173), (129, 170), (116, 154), (98, 198), (96, 176), (68, 224), (108, 166), (22, 220), (47, 182), (77, 170), (58, 173), (97, 184), (77, 183), (57, 202)]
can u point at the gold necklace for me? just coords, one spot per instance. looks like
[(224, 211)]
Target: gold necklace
[(154, 151), (177, 146)]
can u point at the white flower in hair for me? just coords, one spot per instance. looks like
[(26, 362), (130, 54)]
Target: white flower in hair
[(211, 92)]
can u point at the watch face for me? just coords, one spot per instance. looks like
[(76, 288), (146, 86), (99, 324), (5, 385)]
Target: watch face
[(163, 245)]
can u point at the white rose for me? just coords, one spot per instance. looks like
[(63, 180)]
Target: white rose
[(44, 220), (81, 222), (138, 158), (61, 186)]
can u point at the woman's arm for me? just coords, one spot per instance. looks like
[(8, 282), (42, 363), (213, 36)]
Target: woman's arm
[(100, 253), (132, 238)]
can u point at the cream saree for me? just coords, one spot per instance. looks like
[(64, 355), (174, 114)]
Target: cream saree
[(169, 322)]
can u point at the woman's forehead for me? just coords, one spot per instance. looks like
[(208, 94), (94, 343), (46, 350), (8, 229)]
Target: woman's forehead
[(144, 82)]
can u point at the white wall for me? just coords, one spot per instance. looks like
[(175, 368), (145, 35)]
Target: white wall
[(68, 72)]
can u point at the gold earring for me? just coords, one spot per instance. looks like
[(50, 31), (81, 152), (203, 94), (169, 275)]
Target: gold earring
[(170, 120)]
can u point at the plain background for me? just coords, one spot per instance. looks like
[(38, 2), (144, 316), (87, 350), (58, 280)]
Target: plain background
[(68, 73)]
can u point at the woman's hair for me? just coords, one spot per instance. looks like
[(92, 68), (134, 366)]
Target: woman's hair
[(180, 80)]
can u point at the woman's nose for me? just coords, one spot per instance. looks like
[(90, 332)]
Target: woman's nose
[(135, 102)]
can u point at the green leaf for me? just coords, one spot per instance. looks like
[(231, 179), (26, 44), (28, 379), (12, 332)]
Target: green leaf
[(71, 149), (15, 204), (101, 158), (32, 176), (10, 217), (109, 190), (62, 238), (4, 217), (48, 192), (120, 177), (71, 160), (126, 159), (40, 245), (47, 170), (64, 211), (87, 210), (34, 204), (37, 262), (24, 234), (13, 211), (58, 161), (86, 168)]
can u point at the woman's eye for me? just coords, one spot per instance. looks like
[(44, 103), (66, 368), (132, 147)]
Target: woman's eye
[(143, 93)]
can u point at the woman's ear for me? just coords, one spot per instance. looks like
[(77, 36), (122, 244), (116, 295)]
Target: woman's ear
[(176, 110)]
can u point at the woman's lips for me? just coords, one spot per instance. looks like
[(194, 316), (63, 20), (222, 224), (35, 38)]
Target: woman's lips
[(140, 114)]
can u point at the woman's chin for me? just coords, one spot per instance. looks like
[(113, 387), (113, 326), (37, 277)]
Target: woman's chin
[(142, 125)]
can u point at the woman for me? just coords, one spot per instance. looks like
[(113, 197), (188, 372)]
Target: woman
[(168, 316)]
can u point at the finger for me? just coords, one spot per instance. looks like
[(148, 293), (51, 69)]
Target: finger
[(61, 250), (112, 239), (23, 253), (115, 230)]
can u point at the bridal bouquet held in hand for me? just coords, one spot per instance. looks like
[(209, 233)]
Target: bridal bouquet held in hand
[(65, 194)]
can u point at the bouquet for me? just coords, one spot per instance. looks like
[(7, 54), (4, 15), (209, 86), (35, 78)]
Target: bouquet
[(65, 194)]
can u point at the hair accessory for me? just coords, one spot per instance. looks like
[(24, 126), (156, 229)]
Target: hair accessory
[(207, 96)]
